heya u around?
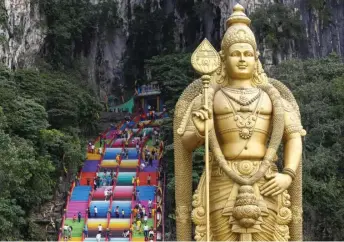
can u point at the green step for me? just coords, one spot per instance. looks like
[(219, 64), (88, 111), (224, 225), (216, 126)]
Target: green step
[(136, 233), (77, 227)]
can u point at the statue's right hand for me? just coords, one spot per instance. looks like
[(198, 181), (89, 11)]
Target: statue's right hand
[(199, 118)]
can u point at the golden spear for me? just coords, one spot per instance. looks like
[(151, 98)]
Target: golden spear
[(205, 60)]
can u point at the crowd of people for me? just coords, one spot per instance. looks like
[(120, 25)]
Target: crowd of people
[(106, 234), (140, 217), (67, 232), (92, 148), (108, 177), (151, 114)]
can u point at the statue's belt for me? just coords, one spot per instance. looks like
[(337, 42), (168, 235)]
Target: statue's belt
[(227, 205), (224, 198), (244, 168)]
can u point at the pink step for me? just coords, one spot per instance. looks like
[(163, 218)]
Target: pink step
[(75, 207), (77, 204), (70, 214)]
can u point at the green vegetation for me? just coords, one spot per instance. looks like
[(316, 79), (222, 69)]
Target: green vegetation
[(71, 25), (150, 35), (318, 86), (278, 26), (322, 8), (44, 117)]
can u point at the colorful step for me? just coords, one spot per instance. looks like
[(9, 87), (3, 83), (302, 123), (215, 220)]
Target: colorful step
[(81, 193), (110, 153), (146, 192), (99, 193), (129, 164), (90, 166), (102, 207), (93, 223), (151, 168), (77, 227), (109, 164), (138, 233), (125, 178), (125, 205), (94, 239), (74, 207), (119, 224), (123, 192), (91, 156), (143, 178)]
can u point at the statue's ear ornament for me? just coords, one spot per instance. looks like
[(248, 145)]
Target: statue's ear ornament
[(222, 55), (257, 54)]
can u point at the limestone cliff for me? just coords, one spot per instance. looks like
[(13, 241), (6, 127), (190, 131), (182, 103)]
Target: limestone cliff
[(22, 32)]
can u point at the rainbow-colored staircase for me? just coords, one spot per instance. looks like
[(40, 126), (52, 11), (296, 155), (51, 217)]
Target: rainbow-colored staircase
[(116, 178)]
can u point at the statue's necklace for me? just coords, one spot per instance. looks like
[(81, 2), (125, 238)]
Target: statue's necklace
[(243, 100), (245, 125)]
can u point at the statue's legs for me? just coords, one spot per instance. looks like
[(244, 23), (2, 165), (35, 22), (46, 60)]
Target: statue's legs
[(272, 224), (268, 229), (223, 194), (221, 229)]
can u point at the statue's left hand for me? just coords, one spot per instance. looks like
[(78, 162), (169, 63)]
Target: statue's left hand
[(276, 185)]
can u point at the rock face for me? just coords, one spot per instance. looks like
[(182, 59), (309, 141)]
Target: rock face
[(22, 32)]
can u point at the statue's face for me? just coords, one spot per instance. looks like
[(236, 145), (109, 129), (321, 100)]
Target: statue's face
[(240, 61)]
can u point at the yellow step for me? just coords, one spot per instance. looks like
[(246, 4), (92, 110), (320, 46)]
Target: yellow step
[(91, 156), (75, 239), (137, 239)]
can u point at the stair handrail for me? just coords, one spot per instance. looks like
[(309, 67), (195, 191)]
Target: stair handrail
[(71, 189), (155, 214), (66, 208), (70, 192), (101, 135), (131, 208), (163, 201), (90, 196)]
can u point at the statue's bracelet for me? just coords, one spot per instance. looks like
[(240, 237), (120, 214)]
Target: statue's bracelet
[(289, 172)]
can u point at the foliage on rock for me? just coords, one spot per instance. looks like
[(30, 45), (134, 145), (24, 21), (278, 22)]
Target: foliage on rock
[(278, 26), (44, 118), (151, 34), (71, 25)]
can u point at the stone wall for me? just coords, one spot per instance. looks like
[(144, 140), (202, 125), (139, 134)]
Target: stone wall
[(22, 34)]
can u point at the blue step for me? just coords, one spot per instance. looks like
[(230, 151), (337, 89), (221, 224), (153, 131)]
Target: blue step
[(80, 193), (125, 205), (102, 207), (146, 192)]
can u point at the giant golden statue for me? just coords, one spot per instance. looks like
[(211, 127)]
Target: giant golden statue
[(249, 115)]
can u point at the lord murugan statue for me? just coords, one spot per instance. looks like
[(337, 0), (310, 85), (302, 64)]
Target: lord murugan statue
[(251, 196)]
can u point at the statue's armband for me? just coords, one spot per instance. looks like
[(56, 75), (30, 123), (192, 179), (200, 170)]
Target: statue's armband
[(292, 123)]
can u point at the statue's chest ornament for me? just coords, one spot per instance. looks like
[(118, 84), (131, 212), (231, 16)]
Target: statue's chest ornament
[(245, 124)]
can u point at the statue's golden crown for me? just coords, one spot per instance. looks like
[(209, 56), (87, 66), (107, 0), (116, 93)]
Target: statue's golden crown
[(238, 30)]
